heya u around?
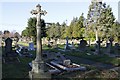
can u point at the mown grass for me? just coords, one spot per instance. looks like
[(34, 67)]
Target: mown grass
[(23, 43), (17, 70), (21, 70), (99, 58)]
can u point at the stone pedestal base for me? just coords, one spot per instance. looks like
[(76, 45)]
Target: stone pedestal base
[(40, 75), (39, 70)]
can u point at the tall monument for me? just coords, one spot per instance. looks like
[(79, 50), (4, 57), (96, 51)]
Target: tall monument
[(38, 65)]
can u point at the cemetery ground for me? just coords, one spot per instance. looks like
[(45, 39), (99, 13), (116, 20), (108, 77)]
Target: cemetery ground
[(98, 66)]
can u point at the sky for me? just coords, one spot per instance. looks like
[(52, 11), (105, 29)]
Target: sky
[(14, 15)]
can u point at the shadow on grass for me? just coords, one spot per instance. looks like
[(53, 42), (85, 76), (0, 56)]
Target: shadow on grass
[(17, 70)]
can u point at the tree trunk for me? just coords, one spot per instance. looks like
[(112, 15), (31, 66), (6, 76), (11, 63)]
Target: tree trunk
[(96, 34)]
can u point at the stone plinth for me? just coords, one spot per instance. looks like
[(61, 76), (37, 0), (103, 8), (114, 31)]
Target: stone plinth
[(40, 75), (39, 70)]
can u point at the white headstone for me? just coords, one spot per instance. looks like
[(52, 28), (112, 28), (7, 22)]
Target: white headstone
[(66, 62), (31, 46)]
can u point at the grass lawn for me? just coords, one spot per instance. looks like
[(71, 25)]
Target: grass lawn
[(17, 70), (20, 70), (98, 58), (23, 43)]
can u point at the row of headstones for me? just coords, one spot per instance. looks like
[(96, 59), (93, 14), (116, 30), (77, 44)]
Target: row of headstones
[(109, 46), (83, 44), (22, 50)]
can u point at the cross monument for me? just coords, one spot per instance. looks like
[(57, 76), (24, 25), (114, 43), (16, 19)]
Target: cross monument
[(38, 65)]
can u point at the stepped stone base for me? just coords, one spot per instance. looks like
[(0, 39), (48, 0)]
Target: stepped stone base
[(39, 71), (40, 75)]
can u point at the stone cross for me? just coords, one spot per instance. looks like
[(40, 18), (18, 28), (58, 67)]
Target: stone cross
[(67, 46), (38, 12), (38, 65)]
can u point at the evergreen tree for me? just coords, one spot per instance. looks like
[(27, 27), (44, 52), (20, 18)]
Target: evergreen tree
[(100, 19), (31, 31), (78, 29), (63, 29), (93, 16), (106, 22), (69, 30)]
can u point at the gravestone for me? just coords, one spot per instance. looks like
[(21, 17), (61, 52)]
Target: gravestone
[(23, 52), (49, 44), (10, 55), (31, 46), (111, 41), (72, 46), (83, 45), (8, 46), (110, 46), (117, 47), (67, 44), (66, 62), (55, 44), (62, 63), (39, 65), (98, 44)]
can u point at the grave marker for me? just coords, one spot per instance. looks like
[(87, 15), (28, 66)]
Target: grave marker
[(110, 46), (31, 46), (67, 44), (98, 44), (38, 65), (8, 46), (83, 44)]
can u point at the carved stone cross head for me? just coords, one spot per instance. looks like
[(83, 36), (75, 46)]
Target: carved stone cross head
[(38, 10)]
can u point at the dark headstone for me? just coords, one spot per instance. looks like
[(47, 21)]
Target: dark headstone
[(83, 44), (98, 44), (107, 45), (8, 46), (117, 46), (10, 55), (110, 46), (111, 41)]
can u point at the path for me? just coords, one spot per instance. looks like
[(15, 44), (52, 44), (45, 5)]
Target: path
[(98, 65)]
